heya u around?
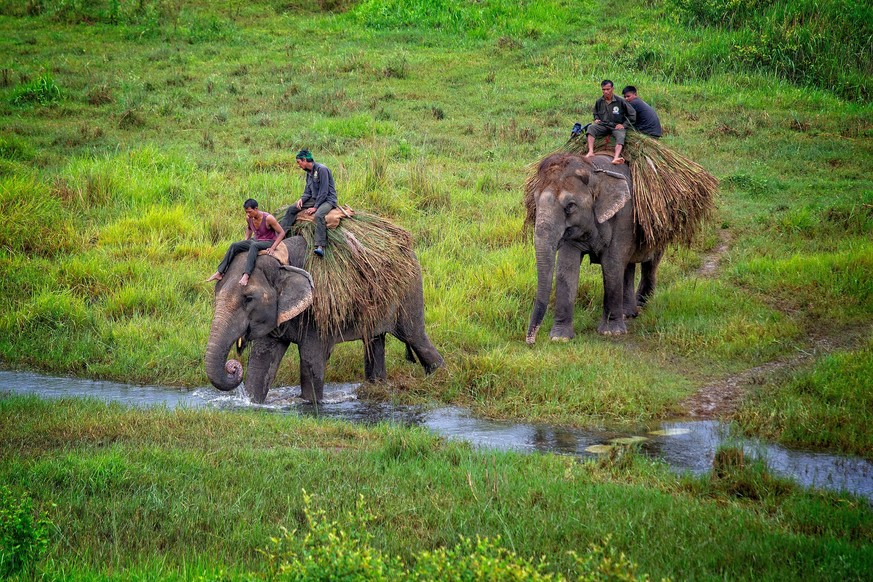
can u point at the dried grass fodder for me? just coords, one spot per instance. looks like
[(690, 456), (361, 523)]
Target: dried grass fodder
[(673, 196), (367, 268)]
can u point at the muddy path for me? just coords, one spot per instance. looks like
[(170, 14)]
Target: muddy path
[(722, 398)]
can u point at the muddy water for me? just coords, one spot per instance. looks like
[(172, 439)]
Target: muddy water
[(684, 445)]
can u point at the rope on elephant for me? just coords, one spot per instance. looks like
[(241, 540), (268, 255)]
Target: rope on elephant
[(368, 267), (673, 196)]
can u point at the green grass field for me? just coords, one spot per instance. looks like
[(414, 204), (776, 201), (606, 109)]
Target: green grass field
[(131, 133), (180, 494)]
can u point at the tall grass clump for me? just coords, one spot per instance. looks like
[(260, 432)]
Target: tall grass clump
[(36, 214), (40, 91), (821, 43)]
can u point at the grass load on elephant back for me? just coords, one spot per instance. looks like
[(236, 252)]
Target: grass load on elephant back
[(368, 265), (673, 196)]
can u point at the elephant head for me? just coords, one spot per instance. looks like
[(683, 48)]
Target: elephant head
[(576, 203), (274, 294)]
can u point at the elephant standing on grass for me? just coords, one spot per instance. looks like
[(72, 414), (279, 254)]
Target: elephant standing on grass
[(583, 207), (271, 313)]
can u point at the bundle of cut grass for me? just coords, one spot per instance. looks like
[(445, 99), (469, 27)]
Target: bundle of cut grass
[(368, 266), (673, 196)]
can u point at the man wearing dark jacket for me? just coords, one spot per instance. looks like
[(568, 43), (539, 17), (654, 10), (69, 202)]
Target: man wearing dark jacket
[(647, 120), (319, 198), (610, 115)]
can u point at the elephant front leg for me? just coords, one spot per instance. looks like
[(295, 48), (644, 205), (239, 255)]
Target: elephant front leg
[(313, 359), (266, 354), (612, 322), (566, 288), (374, 359), (629, 307)]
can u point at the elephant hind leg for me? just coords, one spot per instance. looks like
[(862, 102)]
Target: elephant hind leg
[(648, 278), (419, 346), (410, 355), (629, 301), (374, 359)]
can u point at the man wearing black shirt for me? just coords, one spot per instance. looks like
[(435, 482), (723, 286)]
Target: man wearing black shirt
[(647, 120)]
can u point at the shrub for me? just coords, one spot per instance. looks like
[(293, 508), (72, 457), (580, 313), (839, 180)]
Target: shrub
[(22, 536), (329, 552)]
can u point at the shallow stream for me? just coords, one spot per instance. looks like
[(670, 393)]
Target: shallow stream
[(684, 445)]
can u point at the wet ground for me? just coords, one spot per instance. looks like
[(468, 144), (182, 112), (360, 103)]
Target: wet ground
[(684, 445)]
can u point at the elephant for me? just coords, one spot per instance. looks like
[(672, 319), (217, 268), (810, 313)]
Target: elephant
[(270, 312), (584, 207)]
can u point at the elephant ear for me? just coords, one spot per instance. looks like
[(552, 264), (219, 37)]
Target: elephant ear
[(295, 293), (614, 193)]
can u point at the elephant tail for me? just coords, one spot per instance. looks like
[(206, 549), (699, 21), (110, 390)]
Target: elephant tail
[(410, 355)]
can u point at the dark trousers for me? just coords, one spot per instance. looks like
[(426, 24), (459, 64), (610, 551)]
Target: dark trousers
[(320, 224), (250, 245)]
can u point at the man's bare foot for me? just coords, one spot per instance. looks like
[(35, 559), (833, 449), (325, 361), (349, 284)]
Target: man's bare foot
[(244, 280), (618, 161), (589, 155), (215, 277)]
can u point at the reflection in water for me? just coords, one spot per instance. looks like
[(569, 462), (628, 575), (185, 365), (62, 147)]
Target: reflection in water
[(685, 446)]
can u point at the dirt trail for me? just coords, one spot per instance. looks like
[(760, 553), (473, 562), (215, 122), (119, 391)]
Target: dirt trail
[(722, 398), (712, 261)]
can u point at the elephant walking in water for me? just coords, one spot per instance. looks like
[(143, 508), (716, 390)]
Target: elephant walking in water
[(583, 207), (270, 312)]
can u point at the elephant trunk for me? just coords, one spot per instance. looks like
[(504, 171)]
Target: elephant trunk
[(546, 238), (224, 375)]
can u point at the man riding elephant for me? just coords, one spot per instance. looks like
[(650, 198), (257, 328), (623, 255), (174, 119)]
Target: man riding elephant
[(319, 198), (610, 115)]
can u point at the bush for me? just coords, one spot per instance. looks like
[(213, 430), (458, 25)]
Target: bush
[(22, 536), (328, 552)]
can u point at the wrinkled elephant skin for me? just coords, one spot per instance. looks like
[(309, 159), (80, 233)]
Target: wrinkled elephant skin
[(269, 314), (584, 207)]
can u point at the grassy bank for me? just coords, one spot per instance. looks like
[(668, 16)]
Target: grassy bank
[(149, 494), (131, 138)]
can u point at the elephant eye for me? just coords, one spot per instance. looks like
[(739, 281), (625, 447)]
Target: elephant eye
[(570, 208), (248, 299)]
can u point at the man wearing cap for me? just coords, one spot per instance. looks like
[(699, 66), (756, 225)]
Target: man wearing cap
[(647, 120), (611, 112), (319, 198)]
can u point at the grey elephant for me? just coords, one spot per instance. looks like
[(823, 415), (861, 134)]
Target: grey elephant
[(270, 312), (583, 207)]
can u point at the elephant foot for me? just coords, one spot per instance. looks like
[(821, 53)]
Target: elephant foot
[(631, 312), (612, 327), (531, 338), (561, 334)]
